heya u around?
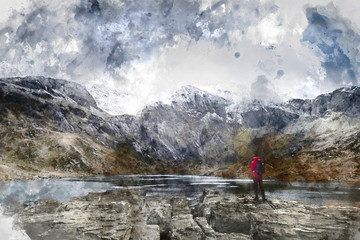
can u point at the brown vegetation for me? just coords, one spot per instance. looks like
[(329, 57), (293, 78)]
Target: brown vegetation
[(302, 165)]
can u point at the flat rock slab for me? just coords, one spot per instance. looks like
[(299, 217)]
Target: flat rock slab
[(130, 214)]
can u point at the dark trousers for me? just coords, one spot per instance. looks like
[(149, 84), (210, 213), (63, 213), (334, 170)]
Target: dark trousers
[(261, 189)]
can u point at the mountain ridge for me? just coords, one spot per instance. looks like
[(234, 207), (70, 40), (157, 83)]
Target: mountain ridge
[(194, 132)]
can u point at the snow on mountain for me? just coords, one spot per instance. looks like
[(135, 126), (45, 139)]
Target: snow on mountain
[(194, 127), (112, 101)]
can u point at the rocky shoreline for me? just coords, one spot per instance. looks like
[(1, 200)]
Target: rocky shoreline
[(130, 214)]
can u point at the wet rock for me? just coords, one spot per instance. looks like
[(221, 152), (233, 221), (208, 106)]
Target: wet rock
[(183, 226), (130, 214), (146, 232)]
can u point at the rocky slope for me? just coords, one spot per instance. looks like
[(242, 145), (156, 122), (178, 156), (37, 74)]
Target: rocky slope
[(210, 131), (54, 127), (129, 214), (193, 128), (50, 126)]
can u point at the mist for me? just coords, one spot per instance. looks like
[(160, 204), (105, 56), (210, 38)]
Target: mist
[(132, 53)]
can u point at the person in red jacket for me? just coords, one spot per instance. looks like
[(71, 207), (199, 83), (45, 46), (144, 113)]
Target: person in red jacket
[(257, 179)]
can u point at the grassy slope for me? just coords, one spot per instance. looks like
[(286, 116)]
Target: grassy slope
[(28, 149), (31, 148), (325, 150)]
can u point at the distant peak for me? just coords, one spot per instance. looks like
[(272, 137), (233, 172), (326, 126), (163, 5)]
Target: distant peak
[(191, 91)]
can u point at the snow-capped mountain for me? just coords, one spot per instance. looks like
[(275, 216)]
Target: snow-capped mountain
[(191, 127), (194, 129), (200, 125)]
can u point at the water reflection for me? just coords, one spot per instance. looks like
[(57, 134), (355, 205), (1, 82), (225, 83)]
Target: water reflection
[(19, 191), (158, 185)]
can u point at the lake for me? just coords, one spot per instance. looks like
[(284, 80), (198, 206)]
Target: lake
[(19, 191)]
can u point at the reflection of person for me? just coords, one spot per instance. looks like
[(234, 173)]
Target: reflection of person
[(257, 179)]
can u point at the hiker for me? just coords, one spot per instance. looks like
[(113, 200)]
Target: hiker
[(257, 170)]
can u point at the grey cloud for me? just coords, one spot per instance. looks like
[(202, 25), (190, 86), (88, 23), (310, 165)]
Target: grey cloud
[(116, 57), (166, 7), (33, 29), (95, 7), (333, 37), (279, 74), (218, 4), (107, 34), (194, 31), (263, 90)]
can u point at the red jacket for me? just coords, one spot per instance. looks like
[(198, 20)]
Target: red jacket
[(253, 169)]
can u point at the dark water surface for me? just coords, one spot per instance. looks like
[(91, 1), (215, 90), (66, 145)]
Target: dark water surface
[(191, 186)]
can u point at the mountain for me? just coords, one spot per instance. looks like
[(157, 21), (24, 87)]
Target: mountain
[(193, 128), (200, 130), (51, 127)]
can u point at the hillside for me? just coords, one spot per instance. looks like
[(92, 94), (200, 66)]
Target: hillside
[(53, 127)]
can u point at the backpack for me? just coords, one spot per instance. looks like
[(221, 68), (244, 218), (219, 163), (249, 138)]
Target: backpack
[(260, 167)]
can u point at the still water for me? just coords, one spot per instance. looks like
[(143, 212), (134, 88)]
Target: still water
[(19, 191)]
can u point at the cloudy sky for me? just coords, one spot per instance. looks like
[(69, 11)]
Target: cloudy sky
[(146, 49)]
